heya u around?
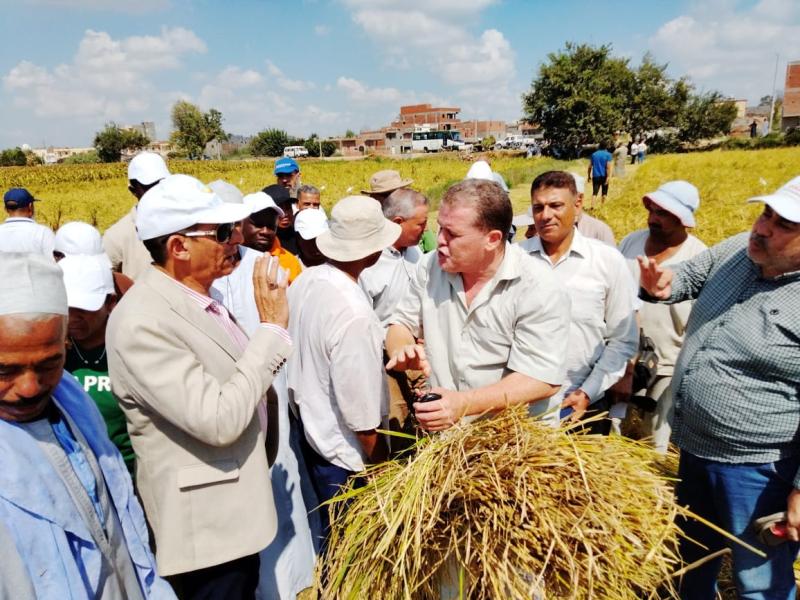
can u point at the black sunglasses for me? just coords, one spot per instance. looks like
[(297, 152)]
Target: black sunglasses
[(222, 234)]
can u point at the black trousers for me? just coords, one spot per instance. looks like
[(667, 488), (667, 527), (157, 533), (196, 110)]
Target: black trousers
[(234, 580)]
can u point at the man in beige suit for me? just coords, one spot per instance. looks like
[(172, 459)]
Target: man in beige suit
[(192, 386)]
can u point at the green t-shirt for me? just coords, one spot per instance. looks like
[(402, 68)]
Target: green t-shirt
[(90, 368), (428, 241)]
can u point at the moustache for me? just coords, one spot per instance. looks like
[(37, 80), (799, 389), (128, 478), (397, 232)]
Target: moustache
[(25, 403), (759, 241)]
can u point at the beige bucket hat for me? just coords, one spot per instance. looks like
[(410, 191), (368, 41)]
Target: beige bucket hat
[(357, 228), (386, 181)]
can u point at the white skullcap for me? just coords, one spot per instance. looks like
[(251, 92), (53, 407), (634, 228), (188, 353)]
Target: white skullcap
[(31, 283)]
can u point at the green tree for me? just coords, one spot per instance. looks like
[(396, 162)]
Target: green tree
[(777, 116), (579, 96), (112, 141), (193, 129), (84, 158), (270, 142), (705, 116), (349, 133), (488, 142), (654, 100), (13, 157), (312, 145), (328, 148)]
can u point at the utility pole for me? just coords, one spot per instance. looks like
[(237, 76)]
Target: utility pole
[(772, 104)]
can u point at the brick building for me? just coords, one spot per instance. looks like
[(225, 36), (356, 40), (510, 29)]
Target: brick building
[(791, 96)]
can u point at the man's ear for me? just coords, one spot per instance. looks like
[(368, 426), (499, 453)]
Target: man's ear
[(177, 249), (398, 220), (495, 238)]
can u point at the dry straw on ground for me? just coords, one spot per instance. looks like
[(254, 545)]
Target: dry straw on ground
[(509, 508)]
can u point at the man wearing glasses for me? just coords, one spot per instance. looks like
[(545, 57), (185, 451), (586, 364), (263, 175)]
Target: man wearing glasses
[(191, 384)]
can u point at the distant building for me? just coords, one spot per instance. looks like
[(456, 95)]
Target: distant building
[(52, 154), (791, 96), (146, 128), (396, 137)]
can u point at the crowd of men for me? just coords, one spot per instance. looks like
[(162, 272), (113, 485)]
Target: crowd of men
[(180, 398)]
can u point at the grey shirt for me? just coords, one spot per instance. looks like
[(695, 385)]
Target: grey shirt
[(737, 380)]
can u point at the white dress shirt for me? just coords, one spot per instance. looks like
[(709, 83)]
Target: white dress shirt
[(387, 281), (518, 322), (336, 376), (21, 234), (603, 335)]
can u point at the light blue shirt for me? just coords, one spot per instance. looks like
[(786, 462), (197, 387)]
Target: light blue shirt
[(55, 544)]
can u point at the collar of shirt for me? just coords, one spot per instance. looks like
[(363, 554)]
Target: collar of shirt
[(207, 303), (19, 220), (509, 269), (579, 247), (276, 247)]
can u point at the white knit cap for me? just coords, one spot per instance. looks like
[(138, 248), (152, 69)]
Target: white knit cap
[(31, 283)]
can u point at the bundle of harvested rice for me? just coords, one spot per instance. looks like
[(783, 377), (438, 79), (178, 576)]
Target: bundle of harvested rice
[(508, 508)]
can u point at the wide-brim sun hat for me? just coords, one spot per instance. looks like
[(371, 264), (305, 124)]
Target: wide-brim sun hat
[(785, 202), (680, 198), (357, 228), (180, 202), (386, 181)]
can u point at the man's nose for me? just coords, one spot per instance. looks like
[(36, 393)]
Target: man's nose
[(27, 384)]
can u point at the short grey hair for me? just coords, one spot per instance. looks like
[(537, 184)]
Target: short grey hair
[(308, 189), (402, 203)]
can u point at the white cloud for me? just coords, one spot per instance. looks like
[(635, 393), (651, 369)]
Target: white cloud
[(361, 93), (107, 79), (290, 85), (730, 45), (322, 30), (437, 37)]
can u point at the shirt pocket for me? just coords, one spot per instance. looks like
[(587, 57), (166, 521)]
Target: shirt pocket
[(779, 349), (204, 474)]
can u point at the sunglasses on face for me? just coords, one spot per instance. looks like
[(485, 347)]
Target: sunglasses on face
[(222, 233)]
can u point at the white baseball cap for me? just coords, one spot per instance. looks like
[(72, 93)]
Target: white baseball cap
[(357, 228), (580, 182), (260, 201), (480, 169), (785, 202), (309, 223), (77, 237), (180, 202), (680, 198), (147, 168), (227, 191), (88, 281)]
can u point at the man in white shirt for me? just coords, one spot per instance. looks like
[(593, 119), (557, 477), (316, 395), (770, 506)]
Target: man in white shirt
[(336, 380), (670, 213), (603, 335), (19, 232), (495, 320), (127, 253), (388, 280)]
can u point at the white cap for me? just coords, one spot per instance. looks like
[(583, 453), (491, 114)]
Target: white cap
[(357, 229), (580, 182), (680, 198), (261, 201), (88, 280), (309, 223), (480, 169), (77, 237), (147, 168), (785, 202), (523, 220), (31, 283), (180, 202), (227, 191)]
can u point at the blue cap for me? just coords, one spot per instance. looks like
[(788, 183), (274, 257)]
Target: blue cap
[(286, 165), (18, 198)]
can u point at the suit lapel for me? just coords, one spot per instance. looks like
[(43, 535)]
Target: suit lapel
[(189, 311)]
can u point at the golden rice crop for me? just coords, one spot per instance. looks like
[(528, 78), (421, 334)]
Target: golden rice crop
[(509, 508)]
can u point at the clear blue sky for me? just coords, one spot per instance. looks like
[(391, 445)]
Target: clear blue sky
[(69, 66)]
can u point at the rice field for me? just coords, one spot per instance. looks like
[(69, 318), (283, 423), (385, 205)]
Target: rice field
[(98, 193)]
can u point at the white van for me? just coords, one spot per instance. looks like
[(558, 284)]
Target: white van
[(295, 151)]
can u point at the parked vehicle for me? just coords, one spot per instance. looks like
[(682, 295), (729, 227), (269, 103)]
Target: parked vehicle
[(295, 151), (433, 141)]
